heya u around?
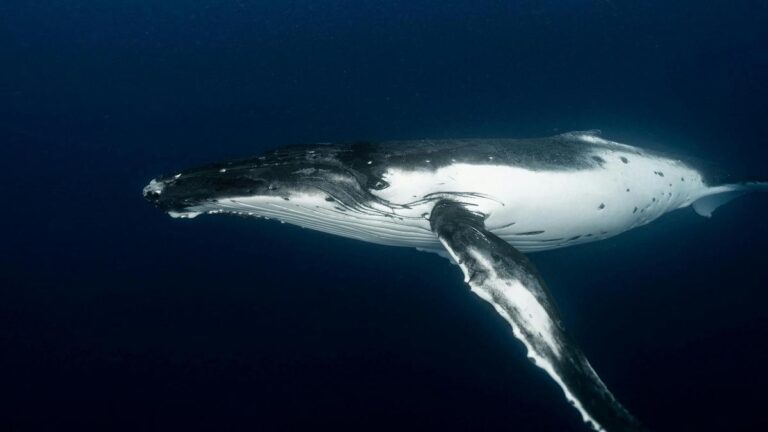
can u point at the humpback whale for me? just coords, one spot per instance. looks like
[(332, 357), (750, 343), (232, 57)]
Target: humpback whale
[(482, 203)]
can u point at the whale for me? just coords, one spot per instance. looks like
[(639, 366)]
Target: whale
[(483, 204)]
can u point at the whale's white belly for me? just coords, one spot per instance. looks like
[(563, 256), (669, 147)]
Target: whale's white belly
[(541, 210)]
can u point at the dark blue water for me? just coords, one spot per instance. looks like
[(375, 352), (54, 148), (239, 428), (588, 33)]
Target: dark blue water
[(116, 317)]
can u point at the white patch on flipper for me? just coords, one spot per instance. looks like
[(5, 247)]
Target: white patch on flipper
[(456, 260), (533, 314), (538, 318)]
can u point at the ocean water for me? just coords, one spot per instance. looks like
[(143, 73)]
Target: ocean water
[(113, 316)]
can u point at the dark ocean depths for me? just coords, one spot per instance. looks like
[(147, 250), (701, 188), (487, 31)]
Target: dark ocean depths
[(113, 316)]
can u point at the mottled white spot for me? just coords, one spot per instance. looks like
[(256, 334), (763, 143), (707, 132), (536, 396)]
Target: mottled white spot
[(154, 186), (184, 215)]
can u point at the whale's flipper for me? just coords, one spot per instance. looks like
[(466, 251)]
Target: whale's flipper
[(504, 277)]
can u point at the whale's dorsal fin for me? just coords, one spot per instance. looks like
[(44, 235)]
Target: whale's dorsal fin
[(504, 277)]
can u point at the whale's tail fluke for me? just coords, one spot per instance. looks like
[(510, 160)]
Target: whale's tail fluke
[(719, 195)]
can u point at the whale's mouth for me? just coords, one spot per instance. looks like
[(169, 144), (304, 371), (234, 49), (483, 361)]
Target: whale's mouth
[(265, 186), (153, 190), (154, 193)]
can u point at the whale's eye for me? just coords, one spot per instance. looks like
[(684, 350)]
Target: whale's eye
[(379, 185)]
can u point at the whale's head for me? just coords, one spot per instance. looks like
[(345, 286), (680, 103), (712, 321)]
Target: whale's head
[(282, 181)]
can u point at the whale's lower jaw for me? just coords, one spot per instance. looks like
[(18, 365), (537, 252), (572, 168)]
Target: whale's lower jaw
[(380, 227), (374, 225)]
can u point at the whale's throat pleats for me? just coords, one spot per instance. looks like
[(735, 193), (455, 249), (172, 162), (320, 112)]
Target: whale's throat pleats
[(502, 276)]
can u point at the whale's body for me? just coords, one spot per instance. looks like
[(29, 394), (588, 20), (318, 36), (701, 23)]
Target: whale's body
[(481, 202), (537, 194)]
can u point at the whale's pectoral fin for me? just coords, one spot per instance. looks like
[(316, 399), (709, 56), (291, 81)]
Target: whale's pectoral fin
[(504, 277)]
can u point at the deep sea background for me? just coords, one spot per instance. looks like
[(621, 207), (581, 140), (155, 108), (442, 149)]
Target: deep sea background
[(113, 316)]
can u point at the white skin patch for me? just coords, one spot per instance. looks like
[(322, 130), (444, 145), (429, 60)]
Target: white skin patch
[(591, 204), (534, 319), (154, 186), (532, 314)]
